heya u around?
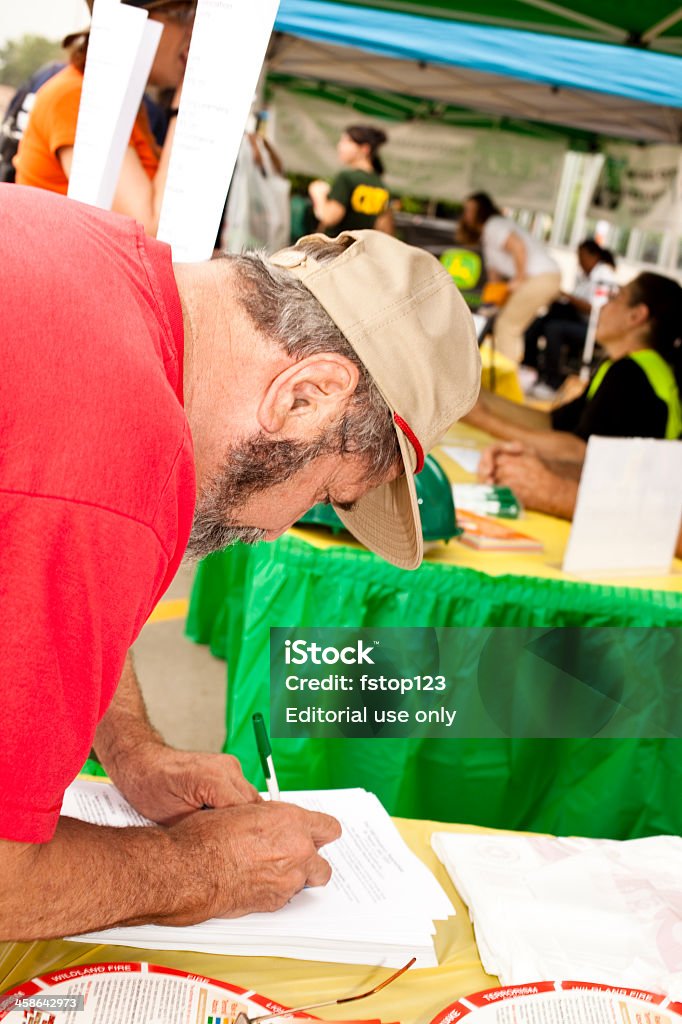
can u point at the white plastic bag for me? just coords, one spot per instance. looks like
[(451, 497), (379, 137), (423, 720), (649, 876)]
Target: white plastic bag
[(258, 213)]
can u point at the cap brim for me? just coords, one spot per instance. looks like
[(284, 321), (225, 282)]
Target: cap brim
[(386, 519)]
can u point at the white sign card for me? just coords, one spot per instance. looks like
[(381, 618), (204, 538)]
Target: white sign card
[(121, 50), (629, 507), (228, 47)]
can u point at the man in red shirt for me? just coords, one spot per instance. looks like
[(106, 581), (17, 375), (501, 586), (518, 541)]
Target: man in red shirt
[(141, 403)]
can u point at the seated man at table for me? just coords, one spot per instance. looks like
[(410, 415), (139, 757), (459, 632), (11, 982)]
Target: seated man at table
[(564, 325), (633, 393), (142, 401)]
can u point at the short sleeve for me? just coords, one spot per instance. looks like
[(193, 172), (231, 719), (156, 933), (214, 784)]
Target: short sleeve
[(341, 190), (61, 120), (496, 232), (76, 586)]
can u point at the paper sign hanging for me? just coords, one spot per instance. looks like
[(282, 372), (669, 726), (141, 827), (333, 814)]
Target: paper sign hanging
[(228, 47), (121, 50)]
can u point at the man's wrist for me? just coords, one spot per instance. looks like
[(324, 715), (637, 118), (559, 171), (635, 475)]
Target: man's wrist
[(130, 741)]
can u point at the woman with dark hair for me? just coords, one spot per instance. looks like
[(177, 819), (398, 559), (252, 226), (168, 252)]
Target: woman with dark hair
[(358, 197), (511, 254), (635, 392), (45, 153)]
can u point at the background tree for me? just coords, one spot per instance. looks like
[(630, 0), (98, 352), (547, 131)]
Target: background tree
[(19, 58)]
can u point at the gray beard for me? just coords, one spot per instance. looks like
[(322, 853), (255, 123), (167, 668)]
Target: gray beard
[(252, 466)]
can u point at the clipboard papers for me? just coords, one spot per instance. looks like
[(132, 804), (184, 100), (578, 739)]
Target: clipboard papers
[(379, 907)]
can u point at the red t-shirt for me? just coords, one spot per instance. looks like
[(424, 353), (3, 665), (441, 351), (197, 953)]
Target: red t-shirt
[(96, 479)]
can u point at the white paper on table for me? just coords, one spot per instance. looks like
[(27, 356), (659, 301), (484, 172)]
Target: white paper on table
[(628, 509), (228, 46), (468, 458), (379, 906), (100, 804), (121, 50), (547, 907)]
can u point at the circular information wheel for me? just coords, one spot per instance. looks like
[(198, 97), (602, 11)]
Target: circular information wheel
[(562, 1002), (129, 993)]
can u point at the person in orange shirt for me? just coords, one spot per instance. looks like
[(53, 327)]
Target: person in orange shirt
[(45, 153)]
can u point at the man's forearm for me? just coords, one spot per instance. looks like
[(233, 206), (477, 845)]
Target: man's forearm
[(126, 724), (91, 877), (220, 863)]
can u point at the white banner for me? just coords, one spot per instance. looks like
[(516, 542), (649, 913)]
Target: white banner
[(226, 54), (422, 159), (639, 186), (121, 52)]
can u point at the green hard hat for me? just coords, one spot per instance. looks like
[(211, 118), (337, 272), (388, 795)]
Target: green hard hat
[(436, 507)]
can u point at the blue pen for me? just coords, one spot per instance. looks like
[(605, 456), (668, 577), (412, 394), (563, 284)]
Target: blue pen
[(265, 754)]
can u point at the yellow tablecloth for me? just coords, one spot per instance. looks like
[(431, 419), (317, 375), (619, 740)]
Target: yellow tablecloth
[(413, 999), (507, 383)]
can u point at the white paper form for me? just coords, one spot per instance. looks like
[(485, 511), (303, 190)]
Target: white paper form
[(628, 510), (227, 50), (121, 50), (378, 908), (100, 804)]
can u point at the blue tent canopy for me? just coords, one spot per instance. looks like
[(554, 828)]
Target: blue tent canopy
[(490, 56)]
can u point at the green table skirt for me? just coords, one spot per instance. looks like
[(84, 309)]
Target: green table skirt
[(610, 788)]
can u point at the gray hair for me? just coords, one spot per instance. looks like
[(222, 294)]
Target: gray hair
[(278, 304)]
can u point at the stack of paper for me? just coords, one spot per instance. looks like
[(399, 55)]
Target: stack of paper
[(547, 908), (379, 907)]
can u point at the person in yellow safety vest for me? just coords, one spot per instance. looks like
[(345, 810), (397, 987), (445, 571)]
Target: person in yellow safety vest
[(634, 393), (544, 485)]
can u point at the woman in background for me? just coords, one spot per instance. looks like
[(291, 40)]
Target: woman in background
[(45, 153), (633, 393), (357, 197), (511, 254)]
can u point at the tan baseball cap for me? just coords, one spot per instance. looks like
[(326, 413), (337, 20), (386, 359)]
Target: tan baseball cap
[(406, 320)]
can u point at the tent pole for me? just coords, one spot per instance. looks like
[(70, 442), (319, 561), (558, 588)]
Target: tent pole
[(593, 165), (662, 26), (563, 201), (672, 237), (580, 19)]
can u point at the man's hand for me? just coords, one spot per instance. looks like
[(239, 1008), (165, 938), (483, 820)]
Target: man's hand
[(166, 784), (261, 856), (529, 478), (160, 782), (535, 485), (487, 465)]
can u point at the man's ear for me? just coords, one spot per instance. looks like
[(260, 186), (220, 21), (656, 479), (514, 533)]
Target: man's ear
[(308, 395)]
